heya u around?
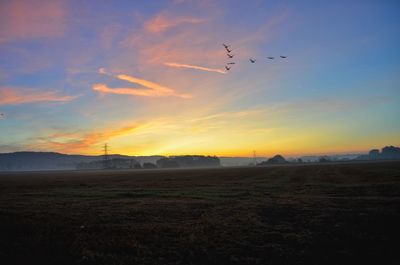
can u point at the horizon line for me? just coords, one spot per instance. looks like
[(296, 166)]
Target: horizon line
[(224, 156)]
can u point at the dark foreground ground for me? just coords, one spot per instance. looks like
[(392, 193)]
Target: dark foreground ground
[(311, 214)]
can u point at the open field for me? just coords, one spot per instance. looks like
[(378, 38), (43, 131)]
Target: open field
[(308, 214)]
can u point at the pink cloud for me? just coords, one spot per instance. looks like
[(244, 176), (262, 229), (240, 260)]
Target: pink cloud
[(24, 19), (13, 96), (81, 142), (202, 68), (151, 89), (103, 88), (154, 86)]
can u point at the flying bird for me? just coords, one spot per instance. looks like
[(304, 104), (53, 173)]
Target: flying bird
[(283, 56), (230, 55), (271, 58), (227, 49), (252, 60), (227, 68), (231, 63), (225, 46)]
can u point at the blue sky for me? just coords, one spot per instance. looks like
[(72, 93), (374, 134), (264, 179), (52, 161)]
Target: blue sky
[(149, 77)]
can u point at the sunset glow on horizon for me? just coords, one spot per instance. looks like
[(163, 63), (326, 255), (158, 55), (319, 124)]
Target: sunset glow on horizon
[(149, 77)]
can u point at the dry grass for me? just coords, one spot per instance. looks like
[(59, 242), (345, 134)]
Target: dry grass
[(310, 214)]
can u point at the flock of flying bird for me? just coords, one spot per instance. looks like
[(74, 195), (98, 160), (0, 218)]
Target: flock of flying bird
[(252, 60), (228, 65)]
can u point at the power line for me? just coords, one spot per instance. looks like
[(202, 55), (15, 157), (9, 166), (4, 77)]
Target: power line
[(105, 156)]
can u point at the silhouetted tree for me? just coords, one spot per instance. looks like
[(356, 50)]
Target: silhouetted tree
[(148, 165), (324, 159), (167, 163), (189, 161), (278, 159), (374, 154), (390, 152)]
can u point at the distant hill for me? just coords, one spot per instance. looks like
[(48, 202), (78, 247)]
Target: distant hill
[(56, 161)]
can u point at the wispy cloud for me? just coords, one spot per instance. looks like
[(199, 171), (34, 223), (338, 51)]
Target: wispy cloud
[(103, 88), (162, 22), (14, 96), (80, 142), (152, 89), (154, 86), (179, 65)]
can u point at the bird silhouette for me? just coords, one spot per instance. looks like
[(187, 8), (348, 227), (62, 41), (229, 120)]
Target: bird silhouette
[(252, 60)]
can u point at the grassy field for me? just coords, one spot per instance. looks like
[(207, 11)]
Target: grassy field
[(308, 214)]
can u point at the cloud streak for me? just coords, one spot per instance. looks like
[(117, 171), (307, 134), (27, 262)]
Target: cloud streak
[(13, 96), (81, 142), (152, 89), (103, 88), (179, 65), (154, 86)]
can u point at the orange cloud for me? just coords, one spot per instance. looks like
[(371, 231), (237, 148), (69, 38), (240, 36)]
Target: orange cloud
[(162, 22), (75, 142), (103, 88), (23, 19), (12, 96), (178, 65), (153, 89), (154, 86)]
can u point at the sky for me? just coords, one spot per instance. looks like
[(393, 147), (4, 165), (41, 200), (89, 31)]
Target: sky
[(149, 77)]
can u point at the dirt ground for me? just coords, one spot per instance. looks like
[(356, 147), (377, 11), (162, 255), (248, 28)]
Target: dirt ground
[(305, 214)]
